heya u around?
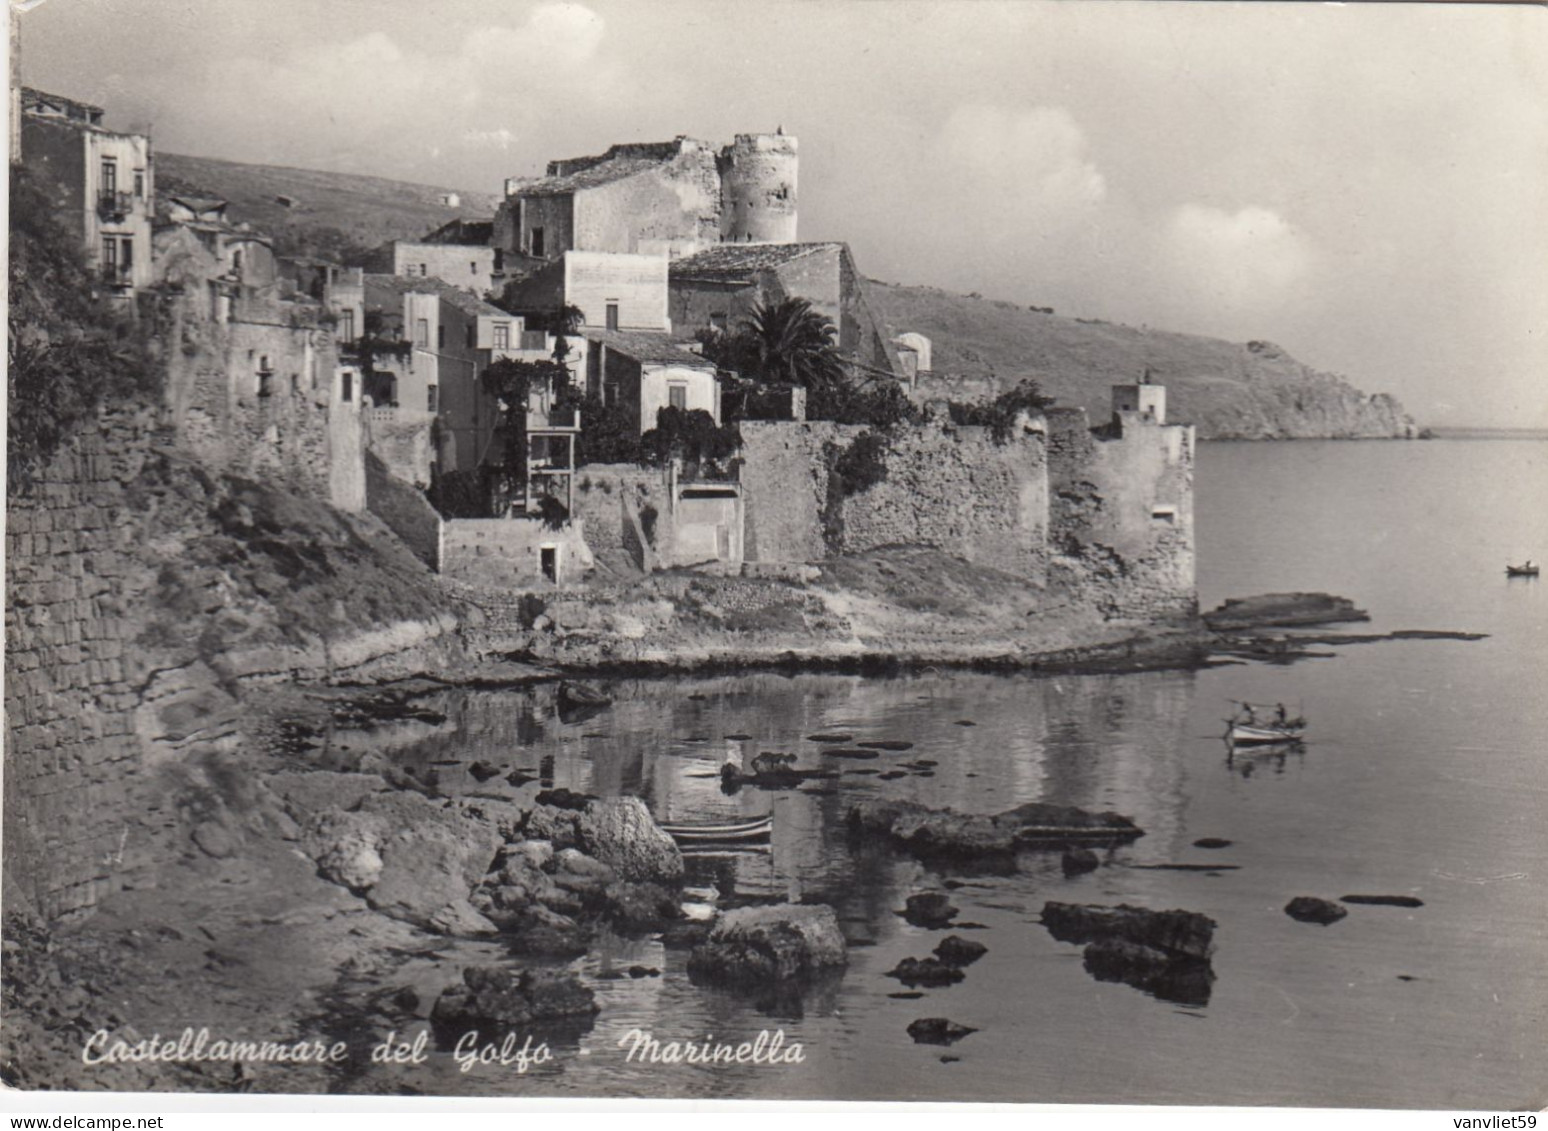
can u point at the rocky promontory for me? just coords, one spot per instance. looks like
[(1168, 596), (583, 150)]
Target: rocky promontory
[(1231, 390)]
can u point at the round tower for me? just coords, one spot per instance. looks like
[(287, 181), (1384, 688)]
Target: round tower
[(758, 189)]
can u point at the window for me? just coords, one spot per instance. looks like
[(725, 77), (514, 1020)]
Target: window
[(347, 325), (473, 268), (537, 242), (236, 261), (472, 338), (109, 174), (423, 270), (718, 320), (110, 255), (440, 336), (347, 390), (139, 183), (612, 316), (422, 333), (433, 399), (677, 395), (502, 335)]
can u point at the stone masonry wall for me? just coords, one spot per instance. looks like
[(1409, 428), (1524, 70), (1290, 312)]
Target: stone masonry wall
[(613, 501), (506, 553), (951, 488), (72, 685), (405, 510), (1121, 515)]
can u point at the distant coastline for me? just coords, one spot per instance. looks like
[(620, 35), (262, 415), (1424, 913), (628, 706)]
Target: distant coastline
[(1446, 432)]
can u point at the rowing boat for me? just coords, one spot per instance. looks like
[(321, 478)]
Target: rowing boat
[(1242, 735), (1527, 570), (757, 828)]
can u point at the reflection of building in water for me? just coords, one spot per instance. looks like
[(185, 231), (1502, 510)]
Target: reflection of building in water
[(1116, 742)]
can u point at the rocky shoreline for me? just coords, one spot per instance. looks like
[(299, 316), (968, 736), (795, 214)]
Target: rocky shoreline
[(290, 896)]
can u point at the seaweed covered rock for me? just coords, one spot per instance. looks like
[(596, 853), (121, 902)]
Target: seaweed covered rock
[(929, 909), (1184, 933), (946, 832), (937, 1031), (770, 944), (503, 997), (1310, 909), (1163, 953), (926, 972), (954, 950)]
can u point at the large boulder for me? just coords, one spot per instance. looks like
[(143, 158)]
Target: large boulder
[(621, 833), (770, 944), (1186, 934), (411, 858), (1163, 953), (1311, 909), (946, 832), (502, 998)]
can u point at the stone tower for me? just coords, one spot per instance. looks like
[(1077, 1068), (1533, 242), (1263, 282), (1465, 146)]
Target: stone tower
[(758, 189)]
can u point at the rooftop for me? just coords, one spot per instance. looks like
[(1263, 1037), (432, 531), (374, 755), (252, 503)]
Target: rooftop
[(57, 103), (644, 346), (728, 262), (604, 173), (465, 301)]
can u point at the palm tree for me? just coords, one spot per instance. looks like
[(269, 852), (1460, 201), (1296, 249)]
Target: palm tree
[(795, 345)]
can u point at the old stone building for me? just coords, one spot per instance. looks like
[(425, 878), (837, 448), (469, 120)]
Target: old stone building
[(720, 288), (100, 181), (649, 372), (666, 198)]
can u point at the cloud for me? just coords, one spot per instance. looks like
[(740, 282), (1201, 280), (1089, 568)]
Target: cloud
[(555, 35), (1033, 161), (1247, 258)]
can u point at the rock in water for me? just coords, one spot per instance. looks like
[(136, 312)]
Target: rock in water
[(925, 972), (937, 1031), (1078, 861), (1310, 909), (958, 951), (1384, 900), (929, 909), (503, 998), (945, 832), (1183, 933), (770, 944), (1211, 842), (1187, 981), (621, 833), (581, 695)]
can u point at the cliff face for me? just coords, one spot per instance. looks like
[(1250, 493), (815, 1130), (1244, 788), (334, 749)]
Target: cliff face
[(142, 593), (1251, 391)]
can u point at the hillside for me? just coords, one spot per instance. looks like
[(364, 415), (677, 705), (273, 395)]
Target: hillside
[(338, 215), (1230, 390)]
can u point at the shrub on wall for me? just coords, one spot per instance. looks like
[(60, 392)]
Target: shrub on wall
[(70, 350), (999, 415), (460, 494), (852, 469), (691, 436)]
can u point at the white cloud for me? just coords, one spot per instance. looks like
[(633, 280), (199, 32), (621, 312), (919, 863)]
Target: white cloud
[(1032, 162), (554, 35), (1246, 258)]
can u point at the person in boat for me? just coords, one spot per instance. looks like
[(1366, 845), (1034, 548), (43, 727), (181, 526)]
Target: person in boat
[(1279, 714), (1248, 717)]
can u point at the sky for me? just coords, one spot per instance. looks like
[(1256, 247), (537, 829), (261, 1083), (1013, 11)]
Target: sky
[(1364, 184)]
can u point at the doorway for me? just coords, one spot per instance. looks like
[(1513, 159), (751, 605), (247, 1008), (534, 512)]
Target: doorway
[(549, 563)]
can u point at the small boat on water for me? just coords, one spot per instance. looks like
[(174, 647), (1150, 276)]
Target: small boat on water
[(1529, 569), (721, 832), (1240, 734)]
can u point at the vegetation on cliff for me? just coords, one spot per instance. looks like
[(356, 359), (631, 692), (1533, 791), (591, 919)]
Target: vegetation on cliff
[(1230, 390), (70, 349)]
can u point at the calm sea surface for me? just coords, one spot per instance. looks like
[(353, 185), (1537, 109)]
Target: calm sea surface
[(1425, 774)]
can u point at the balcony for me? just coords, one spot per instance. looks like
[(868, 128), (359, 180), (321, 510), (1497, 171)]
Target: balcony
[(112, 205), (118, 275)]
